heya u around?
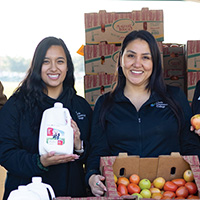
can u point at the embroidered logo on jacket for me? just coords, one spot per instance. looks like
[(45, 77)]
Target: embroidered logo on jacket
[(80, 115), (159, 104)]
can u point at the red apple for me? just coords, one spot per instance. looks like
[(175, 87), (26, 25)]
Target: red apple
[(195, 121)]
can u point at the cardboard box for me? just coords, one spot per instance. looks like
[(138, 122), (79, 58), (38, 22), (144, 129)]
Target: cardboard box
[(168, 167), (179, 82), (193, 55), (96, 198), (96, 85), (112, 27), (193, 67), (3, 173), (174, 65), (101, 58), (192, 79)]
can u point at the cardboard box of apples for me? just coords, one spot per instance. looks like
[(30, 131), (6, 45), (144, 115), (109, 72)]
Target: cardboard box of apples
[(94, 198), (151, 171), (154, 172)]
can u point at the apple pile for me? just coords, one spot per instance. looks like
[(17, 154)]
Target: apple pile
[(159, 188)]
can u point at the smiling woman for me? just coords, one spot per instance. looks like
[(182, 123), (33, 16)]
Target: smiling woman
[(49, 79), (141, 107)]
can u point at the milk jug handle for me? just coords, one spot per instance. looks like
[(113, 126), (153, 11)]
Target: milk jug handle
[(67, 117), (50, 190)]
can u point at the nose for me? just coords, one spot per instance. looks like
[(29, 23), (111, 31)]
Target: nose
[(137, 62), (53, 66)]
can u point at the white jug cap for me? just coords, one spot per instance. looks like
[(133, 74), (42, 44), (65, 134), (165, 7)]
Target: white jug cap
[(58, 105), (36, 180)]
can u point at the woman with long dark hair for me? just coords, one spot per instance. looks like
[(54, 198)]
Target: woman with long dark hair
[(141, 115), (49, 79)]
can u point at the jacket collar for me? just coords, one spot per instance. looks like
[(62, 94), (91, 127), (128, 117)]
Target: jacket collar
[(154, 97)]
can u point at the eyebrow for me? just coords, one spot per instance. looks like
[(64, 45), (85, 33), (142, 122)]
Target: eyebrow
[(131, 51), (56, 58)]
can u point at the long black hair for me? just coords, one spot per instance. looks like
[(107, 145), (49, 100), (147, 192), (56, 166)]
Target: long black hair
[(31, 90), (156, 82)]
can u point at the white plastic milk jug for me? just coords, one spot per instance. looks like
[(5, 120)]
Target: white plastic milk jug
[(56, 133), (44, 191), (22, 193)]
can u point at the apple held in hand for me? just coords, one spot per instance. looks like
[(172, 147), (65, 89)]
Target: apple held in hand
[(195, 121)]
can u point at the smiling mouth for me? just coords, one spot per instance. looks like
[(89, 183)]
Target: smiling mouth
[(53, 76), (136, 72)]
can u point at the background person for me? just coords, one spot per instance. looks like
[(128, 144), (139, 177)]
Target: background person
[(196, 105), (141, 115), (50, 79), (196, 99), (3, 97)]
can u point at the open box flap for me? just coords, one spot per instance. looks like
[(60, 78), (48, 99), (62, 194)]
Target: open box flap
[(171, 167)]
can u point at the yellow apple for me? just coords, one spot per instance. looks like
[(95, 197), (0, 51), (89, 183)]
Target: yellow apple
[(195, 121), (188, 175), (115, 178), (159, 182)]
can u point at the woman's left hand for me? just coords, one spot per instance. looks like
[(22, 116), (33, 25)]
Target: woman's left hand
[(196, 131), (77, 140)]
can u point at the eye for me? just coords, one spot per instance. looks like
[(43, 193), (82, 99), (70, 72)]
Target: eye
[(61, 61), (147, 57), (45, 61), (130, 56)]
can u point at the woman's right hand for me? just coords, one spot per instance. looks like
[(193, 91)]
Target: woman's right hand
[(53, 159), (97, 187)]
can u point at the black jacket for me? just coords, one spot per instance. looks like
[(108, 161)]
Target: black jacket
[(150, 132), (19, 146), (196, 99)]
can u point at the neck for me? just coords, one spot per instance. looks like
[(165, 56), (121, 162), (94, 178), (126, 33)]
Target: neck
[(131, 90), (54, 93), (137, 95)]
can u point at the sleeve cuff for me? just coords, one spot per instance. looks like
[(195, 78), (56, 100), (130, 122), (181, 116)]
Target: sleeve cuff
[(39, 164)]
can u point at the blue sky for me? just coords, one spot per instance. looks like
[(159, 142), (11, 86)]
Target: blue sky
[(25, 22)]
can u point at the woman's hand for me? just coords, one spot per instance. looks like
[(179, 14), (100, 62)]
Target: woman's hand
[(196, 131), (97, 187), (53, 159), (77, 140)]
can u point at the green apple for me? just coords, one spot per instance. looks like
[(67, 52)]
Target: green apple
[(145, 184), (138, 195), (146, 193)]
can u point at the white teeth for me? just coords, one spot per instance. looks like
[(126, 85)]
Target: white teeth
[(136, 72), (53, 76)]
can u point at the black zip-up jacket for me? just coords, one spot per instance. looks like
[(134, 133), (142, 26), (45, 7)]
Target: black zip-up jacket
[(196, 99), (149, 132), (19, 146)]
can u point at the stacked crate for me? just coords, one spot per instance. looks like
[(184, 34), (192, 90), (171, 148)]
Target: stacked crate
[(104, 33), (174, 65), (193, 66)]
